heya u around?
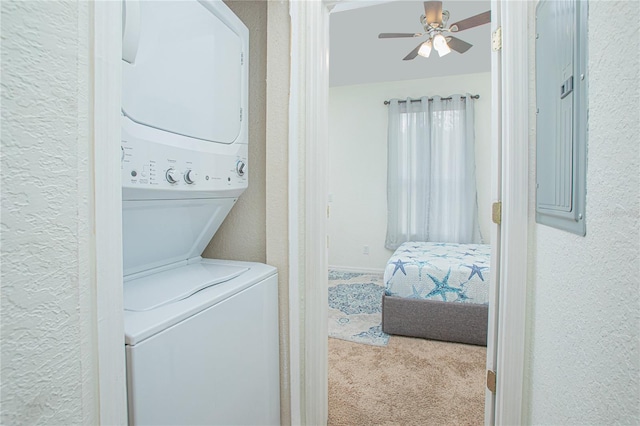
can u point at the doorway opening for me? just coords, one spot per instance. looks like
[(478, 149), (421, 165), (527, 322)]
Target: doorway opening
[(366, 366)]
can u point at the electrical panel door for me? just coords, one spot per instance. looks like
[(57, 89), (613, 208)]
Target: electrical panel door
[(561, 114)]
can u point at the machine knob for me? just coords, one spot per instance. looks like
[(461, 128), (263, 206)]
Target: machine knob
[(189, 177), (172, 176), (240, 166)]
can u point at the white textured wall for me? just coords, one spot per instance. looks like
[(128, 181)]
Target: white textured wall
[(48, 371), (242, 235), (583, 336), (358, 162)]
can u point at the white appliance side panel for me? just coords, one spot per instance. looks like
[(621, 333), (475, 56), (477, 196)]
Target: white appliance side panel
[(218, 367), (188, 76)]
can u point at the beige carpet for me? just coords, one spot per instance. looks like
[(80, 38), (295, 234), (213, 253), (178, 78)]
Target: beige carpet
[(409, 382)]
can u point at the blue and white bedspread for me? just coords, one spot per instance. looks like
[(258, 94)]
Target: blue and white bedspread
[(439, 271)]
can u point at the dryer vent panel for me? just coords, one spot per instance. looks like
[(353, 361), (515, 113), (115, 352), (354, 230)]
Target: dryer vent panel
[(561, 98)]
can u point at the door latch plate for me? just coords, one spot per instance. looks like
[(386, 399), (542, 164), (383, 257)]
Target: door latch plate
[(491, 381), (496, 212)]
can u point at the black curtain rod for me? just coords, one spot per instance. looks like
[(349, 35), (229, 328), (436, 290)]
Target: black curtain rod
[(442, 99)]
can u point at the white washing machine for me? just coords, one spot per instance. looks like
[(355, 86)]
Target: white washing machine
[(201, 335)]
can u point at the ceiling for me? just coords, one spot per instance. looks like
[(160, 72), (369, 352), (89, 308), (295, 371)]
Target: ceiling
[(357, 56)]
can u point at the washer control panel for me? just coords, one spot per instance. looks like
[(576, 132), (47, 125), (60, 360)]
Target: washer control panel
[(170, 168)]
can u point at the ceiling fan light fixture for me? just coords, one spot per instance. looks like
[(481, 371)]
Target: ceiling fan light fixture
[(435, 21), (440, 44), (444, 51), (425, 49)]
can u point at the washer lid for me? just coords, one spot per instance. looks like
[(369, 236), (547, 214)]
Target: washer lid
[(188, 73), (141, 325), (169, 286)]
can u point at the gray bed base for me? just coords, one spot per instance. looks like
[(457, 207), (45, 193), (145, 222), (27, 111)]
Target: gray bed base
[(432, 319)]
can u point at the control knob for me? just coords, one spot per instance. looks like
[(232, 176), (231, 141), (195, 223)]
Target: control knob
[(172, 176), (240, 166), (189, 177)]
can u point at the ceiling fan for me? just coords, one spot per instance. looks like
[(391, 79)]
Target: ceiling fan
[(434, 21)]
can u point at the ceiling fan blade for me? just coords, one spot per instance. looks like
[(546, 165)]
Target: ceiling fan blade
[(413, 53), (458, 45), (397, 35), (433, 12), (473, 21)]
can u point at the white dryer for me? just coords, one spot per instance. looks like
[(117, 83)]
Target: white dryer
[(201, 335)]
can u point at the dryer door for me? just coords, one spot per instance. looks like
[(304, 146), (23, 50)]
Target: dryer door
[(183, 70)]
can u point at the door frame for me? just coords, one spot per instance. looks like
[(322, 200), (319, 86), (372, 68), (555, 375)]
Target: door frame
[(111, 404), (511, 316), (308, 134), (496, 196), (309, 386)]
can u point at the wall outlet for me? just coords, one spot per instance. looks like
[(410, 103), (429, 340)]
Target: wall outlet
[(365, 250)]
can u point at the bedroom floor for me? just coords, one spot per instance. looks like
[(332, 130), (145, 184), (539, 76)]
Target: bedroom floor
[(377, 379), (408, 382)]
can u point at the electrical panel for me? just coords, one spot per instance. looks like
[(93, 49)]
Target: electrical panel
[(561, 106)]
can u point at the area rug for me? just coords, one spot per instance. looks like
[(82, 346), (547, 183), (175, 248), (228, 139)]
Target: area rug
[(355, 307)]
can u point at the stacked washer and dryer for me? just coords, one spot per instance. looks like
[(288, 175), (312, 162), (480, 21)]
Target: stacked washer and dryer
[(201, 335)]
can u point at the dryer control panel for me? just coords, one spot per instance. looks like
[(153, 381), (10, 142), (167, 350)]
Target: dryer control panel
[(147, 165)]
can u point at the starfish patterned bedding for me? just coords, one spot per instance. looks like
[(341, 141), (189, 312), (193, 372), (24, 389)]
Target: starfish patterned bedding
[(446, 272)]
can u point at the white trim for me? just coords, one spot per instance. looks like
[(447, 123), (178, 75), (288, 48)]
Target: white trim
[(316, 143), (295, 339), (344, 5), (107, 212), (308, 131), (515, 176), (496, 174), (357, 269)]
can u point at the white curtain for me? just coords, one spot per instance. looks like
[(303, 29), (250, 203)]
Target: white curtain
[(431, 183)]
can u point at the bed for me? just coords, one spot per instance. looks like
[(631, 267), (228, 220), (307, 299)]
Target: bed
[(438, 291)]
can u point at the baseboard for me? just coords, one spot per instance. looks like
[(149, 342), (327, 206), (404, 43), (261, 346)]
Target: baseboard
[(357, 269)]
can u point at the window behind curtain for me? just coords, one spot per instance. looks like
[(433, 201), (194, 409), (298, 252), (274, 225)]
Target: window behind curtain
[(431, 188)]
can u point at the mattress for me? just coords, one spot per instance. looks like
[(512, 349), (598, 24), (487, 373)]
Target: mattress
[(446, 272)]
